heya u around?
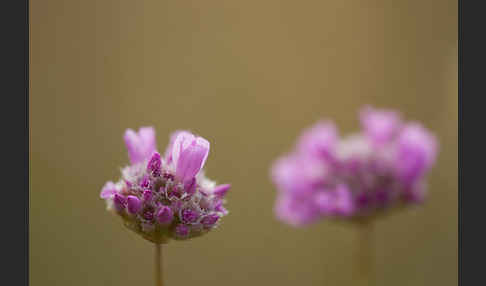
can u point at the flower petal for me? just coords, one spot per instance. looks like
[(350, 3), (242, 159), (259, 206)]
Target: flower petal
[(189, 155), (380, 125), (344, 204), (416, 152), (140, 145), (169, 149), (298, 174), (210, 220), (182, 140), (108, 190), (319, 140)]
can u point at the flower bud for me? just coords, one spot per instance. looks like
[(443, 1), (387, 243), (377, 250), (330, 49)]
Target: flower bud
[(120, 202), (164, 215), (210, 220), (133, 204)]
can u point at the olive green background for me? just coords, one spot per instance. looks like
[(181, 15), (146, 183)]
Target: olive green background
[(248, 76)]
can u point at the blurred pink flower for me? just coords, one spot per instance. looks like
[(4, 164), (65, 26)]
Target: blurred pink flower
[(358, 176)]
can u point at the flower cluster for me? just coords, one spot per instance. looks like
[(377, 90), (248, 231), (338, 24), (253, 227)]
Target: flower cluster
[(166, 197), (356, 177)]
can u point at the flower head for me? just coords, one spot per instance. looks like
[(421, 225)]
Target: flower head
[(168, 197), (355, 177)]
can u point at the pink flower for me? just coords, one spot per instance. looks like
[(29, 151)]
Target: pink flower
[(360, 175), (166, 198)]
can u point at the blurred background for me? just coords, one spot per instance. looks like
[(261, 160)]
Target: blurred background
[(248, 76)]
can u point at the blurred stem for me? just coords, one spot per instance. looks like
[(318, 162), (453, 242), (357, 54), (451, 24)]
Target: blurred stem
[(159, 278), (365, 271)]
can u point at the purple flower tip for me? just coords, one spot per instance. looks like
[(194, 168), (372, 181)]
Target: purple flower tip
[(133, 204), (145, 182), (189, 216), (417, 151), (120, 202), (210, 220), (318, 140), (147, 195), (380, 125), (154, 165), (164, 215), (221, 190)]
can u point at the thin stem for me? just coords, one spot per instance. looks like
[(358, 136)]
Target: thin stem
[(365, 254), (159, 278)]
